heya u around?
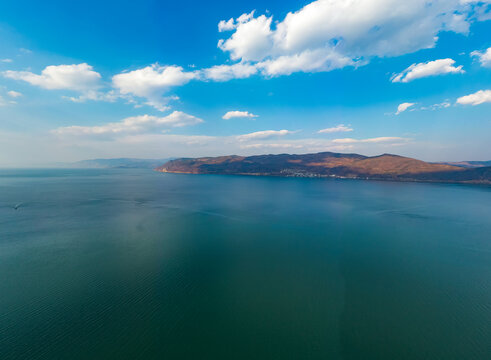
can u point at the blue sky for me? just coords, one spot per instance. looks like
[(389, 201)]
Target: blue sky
[(160, 79)]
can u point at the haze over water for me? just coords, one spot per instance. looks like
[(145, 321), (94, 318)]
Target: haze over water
[(125, 264)]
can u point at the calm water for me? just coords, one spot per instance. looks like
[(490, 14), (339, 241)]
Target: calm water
[(126, 264)]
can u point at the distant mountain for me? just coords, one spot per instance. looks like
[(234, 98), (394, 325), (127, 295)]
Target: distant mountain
[(468, 164), (121, 163), (328, 164)]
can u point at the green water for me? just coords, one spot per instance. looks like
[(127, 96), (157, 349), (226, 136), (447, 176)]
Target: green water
[(132, 264)]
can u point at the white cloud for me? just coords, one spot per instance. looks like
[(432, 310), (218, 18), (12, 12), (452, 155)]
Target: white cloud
[(4, 102), (475, 1), (271, 146), (14, 94), (403, 107), (317, 60), (339, 128), (77, 77), (152, 82), (6, 60), (251, 40), (330, 34), (95, 95), (372, 145), (238, 114), (226, 25), (266, 134), (231, 24), (438, 106), (430, 68), (133, 125), (484, 57), (386, 139), (151, 79), (482, 8), (228, 72), (480, 97), (442, 105)]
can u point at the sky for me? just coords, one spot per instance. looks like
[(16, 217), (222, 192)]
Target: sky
[(159, 79)]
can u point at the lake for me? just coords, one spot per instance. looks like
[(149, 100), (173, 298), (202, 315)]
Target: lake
[(126, 264)]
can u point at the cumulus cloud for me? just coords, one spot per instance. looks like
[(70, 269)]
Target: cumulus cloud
[(480, 97), (430, 68), (335, 129), (403, 107), (14, 94), (238, 114), (152, 82), (133, 125), (484, 57), (77, 77), (231, 24), (229, 72), (331, 34), (226, 25), (266, 134), (251, 41)]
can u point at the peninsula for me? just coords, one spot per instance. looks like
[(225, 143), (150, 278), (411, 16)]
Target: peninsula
[(333, 165)]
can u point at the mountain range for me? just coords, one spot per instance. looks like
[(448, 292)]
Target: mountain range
[(119, 163), (468, 164), (336, 165)]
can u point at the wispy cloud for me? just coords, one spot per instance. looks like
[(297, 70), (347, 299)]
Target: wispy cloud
[(335, 129), (386, 139), (266, 134), (272, 146), (443, 105), (133, 125), (4, 102), (14, 94), (229, 72), (95, 95)]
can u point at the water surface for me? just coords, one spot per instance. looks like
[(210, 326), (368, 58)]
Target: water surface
[(126, 264)]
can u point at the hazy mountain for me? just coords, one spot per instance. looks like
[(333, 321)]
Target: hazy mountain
[(469, 164), (121, 163)]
